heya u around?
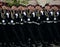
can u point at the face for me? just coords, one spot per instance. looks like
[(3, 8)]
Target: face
[(14, 8), (31, 8), (23, 8), (8, 8), (1, 4), (3, 7), (47, 7), (55, 8), (20, 8), (38, 8)]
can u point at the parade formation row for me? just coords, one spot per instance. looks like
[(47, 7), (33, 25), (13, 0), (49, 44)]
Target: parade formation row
[(29, 13), (28, 34)]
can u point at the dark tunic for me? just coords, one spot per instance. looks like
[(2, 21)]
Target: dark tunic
[(7, 15), (16, 16), (24, 15), (51, 15)]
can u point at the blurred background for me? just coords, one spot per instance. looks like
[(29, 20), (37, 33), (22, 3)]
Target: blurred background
[(33, 2)]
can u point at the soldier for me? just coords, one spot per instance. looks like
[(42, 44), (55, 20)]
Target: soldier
[(7, 13), (16, 28), (56, 15), (42, 27), (52, 17), (47, 10), (5, 19), (24, 13), (47, 7), (42, 14), (26, 19), (32, 12), (22, 19), (38, 9), (3, 12), (13, 9), (20, 13), (32, 25), (55, 9), (1, 27), (49, 13), (49, 17)]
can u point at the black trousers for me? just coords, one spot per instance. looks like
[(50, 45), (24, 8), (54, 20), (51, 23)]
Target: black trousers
[(33, 33)]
